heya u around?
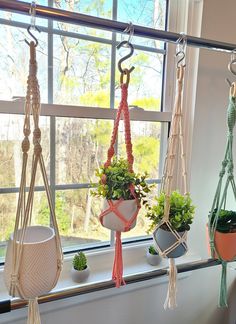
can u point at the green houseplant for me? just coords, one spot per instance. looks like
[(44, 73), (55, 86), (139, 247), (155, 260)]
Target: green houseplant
[(114, 185), (153, 257), (80, 270), (225, 234), (180, 217)]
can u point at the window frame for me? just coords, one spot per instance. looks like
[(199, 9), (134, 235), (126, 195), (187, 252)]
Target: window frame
[(54, 110)]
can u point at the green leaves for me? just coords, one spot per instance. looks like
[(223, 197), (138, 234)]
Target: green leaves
[(80, 261), (181, 211), (226, 222), (118, 181)]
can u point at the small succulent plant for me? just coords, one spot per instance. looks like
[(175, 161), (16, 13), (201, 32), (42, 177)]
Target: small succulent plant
[(80, 261), (152, 250)]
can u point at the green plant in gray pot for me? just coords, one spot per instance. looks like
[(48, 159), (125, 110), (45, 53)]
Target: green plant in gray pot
[(180, 217), (80, 270), (153, 257)]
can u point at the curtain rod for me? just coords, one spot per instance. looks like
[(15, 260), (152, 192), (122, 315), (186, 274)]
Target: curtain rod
[(111, 25), (8, 305)]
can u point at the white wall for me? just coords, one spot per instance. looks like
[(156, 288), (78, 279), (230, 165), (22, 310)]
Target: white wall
[(198, 293)]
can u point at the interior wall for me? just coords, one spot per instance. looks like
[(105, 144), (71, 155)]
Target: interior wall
[(198, 292)]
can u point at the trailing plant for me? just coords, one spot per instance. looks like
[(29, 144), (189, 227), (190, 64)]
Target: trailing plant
[(180, 215), (152, 250), (115, 180), (80, 261), (226, 222)]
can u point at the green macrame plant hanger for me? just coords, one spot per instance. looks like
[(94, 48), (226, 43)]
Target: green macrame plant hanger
[(219, 201)]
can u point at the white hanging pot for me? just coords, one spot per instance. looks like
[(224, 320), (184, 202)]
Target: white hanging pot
[(165, 239), (38, 272), (127, 208)]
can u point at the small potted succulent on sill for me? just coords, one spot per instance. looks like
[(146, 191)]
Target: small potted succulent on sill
[(80, 270), (225, 234), (180, 217), (153, 257), (116, 187)]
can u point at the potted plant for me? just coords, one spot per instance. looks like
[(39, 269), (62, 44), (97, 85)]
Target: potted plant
[(225, 234), (153, 257), (181, 215), (80, 270), (114, 186)]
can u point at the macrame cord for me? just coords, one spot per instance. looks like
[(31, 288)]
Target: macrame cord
[(25, 204), (175, 142), (219, 201), (117, 273)]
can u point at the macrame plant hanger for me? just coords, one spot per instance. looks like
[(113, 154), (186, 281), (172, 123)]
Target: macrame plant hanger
[(34, 255), (114, 207), (219, 201), (175, 143)]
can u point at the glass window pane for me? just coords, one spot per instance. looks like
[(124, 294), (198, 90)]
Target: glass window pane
[(81, 147), (11, 136), (145, 87), (14, 63), (77, 213), (81, 72)]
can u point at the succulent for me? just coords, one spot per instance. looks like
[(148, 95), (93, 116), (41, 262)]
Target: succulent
[(152, 250), (180, 215), (226, 222), (80, 261), (115, 180)]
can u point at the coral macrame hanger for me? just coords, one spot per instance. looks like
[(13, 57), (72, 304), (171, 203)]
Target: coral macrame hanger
[(117, 273)]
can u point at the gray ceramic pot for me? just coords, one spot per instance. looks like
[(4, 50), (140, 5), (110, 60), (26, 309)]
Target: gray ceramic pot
[(80, 276), (165, 239), (153, 259)]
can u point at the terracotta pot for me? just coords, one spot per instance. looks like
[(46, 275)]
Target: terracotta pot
[(225, 244), (80, 275), (153, 259), (127, 208), (38, 271), (164, 239)]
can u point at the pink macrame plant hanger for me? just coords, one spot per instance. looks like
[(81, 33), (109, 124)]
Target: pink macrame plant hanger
[(114, 207)]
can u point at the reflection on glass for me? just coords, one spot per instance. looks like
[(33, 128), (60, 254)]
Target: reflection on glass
[(81, 147), (145, 87), (81, 72), (77, 213), (11, 136), (14, 63)]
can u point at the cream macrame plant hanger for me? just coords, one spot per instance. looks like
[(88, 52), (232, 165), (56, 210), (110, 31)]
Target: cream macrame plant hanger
[(25, 203), (174, 149)]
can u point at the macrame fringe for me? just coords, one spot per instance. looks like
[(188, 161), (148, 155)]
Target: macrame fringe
[(170, 301), (33, 312), (117, 273), (223, 286)]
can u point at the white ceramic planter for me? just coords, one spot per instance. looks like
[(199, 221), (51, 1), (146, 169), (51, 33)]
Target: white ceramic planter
[(164, 239), (38, 271), (127, 208), (153, 259), (80, 276)]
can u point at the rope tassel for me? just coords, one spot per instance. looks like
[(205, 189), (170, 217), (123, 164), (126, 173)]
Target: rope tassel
[(117, 273), (33, 312), (223, 286), (170, 301)]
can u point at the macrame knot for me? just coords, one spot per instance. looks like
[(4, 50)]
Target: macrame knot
[(33, 69), (224, 163), (37, 134), (221, 174), (37, 149), (230, 168), (212, 245), (25, 145), (26, 132), (14, 279)]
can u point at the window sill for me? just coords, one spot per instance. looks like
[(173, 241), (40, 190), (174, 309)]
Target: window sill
[(100, 263)]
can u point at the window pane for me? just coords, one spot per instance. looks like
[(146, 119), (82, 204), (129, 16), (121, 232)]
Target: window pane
[(145, 87), (81, 72), (81, 147), (77, 213), (11, 136), (14, 63)]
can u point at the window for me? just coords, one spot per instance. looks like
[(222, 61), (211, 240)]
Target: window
[(78, 82)]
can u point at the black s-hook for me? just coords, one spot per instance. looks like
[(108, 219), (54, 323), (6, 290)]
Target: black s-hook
[(32, 35)]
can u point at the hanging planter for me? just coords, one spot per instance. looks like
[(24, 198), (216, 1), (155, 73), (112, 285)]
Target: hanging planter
[(34, 255), (222, 222)]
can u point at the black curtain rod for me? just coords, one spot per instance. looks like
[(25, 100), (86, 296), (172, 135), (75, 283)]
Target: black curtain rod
[(111, 25), (7, 306)]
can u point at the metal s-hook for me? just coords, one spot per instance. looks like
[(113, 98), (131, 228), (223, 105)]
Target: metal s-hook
[(30, 33), (232, 62), (128, 44), (181, 49)]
